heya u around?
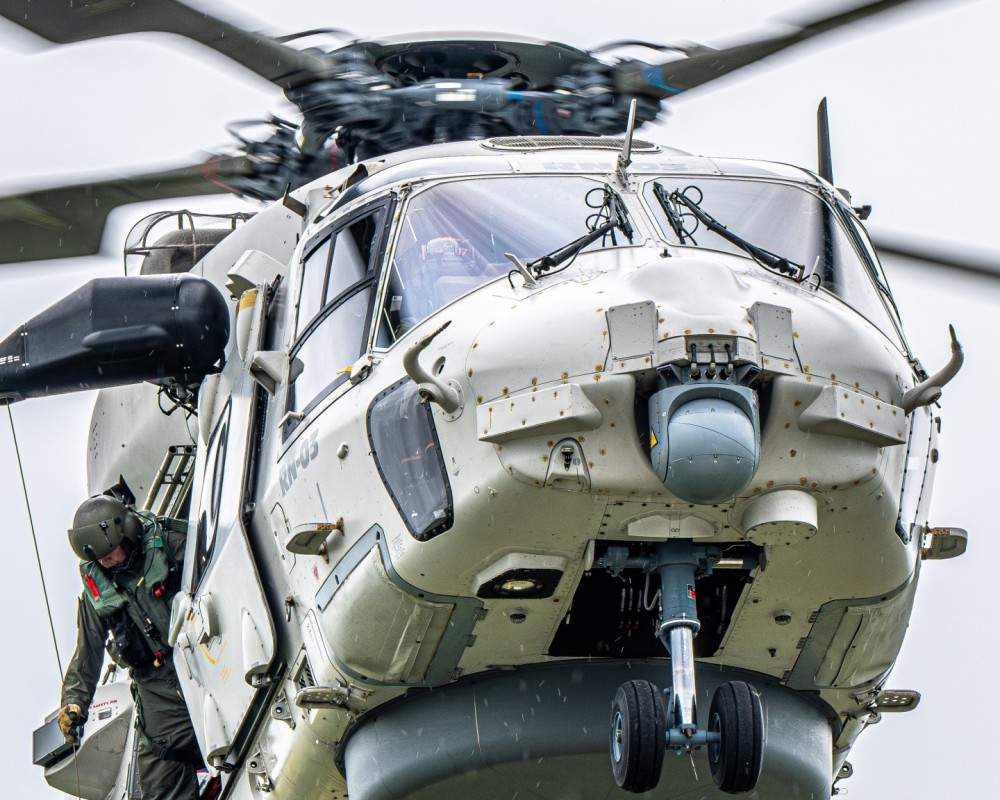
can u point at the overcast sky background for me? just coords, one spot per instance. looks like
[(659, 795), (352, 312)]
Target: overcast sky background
[(914, 122)]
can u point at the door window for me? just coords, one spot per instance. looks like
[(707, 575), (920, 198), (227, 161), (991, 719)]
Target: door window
[(215, 503), (334, 338)]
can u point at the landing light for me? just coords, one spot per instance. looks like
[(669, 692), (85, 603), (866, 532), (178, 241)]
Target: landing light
[(536, 583), (519, 586)]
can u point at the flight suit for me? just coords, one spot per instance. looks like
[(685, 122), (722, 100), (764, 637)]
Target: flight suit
[(168, 755)]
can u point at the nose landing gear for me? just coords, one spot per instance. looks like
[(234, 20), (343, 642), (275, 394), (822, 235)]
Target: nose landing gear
[(642, 727), (638, 731), (737, 720)]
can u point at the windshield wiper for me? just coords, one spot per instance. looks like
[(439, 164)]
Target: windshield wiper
[(764, 257), (616, 220), (676, 223)]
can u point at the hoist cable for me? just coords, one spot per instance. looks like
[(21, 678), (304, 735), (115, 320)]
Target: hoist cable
[(76, 763), (34, 539)]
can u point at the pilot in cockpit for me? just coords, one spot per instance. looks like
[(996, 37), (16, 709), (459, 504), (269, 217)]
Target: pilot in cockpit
[(428, 277), (447, 246)]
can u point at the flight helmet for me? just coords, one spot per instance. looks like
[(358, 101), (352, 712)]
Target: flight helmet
[(100, 524)]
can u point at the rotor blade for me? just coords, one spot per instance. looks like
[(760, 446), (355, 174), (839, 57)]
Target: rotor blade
[(983, 264), (704, 65), (65, 21), (69, 221)]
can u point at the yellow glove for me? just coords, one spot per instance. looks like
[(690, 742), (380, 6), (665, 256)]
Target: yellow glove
[(70, 718)]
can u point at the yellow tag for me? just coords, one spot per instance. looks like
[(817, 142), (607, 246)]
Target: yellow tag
[(247, 299), (652, 439)]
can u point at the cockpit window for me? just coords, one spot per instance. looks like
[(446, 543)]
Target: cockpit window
[(408, 456), (339, 261), (785, 220), (352, 256), (314, 267), (338, 287), (453, 236)]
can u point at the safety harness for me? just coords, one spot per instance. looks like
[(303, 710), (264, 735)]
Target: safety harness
[(135, 603)]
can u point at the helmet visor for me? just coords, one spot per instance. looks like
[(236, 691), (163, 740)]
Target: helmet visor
[(93, 542)]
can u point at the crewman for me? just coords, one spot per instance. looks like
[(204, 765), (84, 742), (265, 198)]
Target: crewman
[(130, 563)]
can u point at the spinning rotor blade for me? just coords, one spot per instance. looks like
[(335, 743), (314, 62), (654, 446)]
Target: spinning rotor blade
[(366, 98), (933, 254), (69, 221), (63, 22), (706, 65)]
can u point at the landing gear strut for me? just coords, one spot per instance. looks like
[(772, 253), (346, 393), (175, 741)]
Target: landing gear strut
[(642, 727)]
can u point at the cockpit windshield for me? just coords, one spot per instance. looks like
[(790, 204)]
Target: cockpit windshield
[(782, 219), (453, 236)]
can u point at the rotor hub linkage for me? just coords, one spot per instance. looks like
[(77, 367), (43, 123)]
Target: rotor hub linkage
[(359, 112)]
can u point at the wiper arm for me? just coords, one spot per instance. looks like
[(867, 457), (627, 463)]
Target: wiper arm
[(758, 254), (565, 253), (676, 223), (557, 257)]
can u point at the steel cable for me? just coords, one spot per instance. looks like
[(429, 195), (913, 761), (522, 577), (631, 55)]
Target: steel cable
[(34, 539)]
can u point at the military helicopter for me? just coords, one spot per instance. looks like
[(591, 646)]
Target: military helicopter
[(307, 543)]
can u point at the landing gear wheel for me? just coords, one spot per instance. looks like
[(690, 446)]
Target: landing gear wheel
[(736, 715), (638, 736)]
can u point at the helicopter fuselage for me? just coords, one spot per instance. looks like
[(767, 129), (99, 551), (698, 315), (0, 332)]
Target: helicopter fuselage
[(427, 480)]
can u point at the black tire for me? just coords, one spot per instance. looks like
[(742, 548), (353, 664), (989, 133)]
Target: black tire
[(638, 736), (735, 760)]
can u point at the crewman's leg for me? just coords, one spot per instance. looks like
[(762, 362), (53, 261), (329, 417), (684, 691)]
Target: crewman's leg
[(167, 768)]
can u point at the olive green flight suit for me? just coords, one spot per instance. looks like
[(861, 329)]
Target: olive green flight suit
[(168, 754)]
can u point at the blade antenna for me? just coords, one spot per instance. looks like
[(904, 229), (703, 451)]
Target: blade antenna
[(625, 156), (825, 151)]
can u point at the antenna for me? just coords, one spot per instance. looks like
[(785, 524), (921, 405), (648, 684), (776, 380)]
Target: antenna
[(625, 156), (823, 142)]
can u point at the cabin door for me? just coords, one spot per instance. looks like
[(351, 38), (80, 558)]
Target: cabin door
[(225, 634)]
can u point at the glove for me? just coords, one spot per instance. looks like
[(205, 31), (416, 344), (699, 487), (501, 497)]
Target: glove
[(71, 718)]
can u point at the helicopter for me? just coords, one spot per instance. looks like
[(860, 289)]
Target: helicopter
[(457, 245)]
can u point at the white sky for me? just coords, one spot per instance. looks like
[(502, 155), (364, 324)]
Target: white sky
[(914, 127)]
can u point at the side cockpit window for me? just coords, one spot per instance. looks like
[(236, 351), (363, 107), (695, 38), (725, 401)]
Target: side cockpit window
[(408, 457), (334, 310), (314, 269)]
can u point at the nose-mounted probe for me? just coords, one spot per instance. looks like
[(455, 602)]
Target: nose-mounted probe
[(447, 395), (929, 391)]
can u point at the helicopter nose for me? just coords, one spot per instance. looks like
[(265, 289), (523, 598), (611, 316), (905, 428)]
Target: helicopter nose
[(705, 440)]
